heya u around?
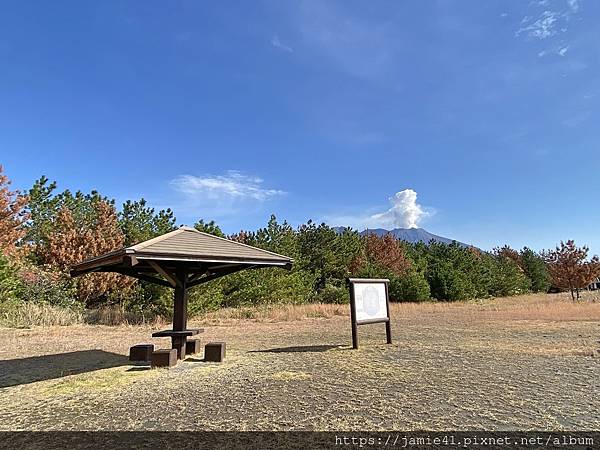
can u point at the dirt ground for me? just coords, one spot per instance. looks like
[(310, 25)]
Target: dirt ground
[(530, 362)]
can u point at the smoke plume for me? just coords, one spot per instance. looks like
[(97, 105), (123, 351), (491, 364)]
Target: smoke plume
[(405, 212)]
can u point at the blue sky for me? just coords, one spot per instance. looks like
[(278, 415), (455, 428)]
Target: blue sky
[(483, 115)]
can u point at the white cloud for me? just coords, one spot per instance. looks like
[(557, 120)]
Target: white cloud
[(232, 186), (404, 212), (574, 5), (543, 27), (276, 42), (549, 23), (560, 51)]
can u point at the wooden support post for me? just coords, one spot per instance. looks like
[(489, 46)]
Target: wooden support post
[(388, 332), (353, 318), (180, 313), (388, 324)]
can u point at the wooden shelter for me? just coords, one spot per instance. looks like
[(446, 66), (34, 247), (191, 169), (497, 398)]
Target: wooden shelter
[(180, 260)]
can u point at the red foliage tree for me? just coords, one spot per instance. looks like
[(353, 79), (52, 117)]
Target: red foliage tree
[(12, 217), (511, 254), (71, 243), (383, 251), (569, 267)]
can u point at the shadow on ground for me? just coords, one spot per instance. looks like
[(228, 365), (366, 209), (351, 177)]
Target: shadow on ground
[(14, 372), (300, 349)]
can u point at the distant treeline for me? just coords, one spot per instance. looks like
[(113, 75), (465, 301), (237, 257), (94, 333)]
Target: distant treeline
[(43, 232)]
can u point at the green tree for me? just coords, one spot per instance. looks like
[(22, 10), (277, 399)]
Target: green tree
[(411, 286), (267, 286), (209, 227), (536, 270), (327, 255), (45, 206), (455, 272), (508, 278), (140, 223), (276, 237)]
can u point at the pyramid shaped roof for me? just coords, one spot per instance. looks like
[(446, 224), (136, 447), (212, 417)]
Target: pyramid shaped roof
[(184, 246)]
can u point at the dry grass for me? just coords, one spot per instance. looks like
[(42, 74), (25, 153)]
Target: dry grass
[(28, 315), (553, 307), (272, 313), (100, 380), (547, 307), (527, 362), (114, 315), (525, 307)]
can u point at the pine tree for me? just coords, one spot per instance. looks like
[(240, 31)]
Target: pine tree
[(140, 223), (569, 267), (209, 227), (536, 270), (71, 242)]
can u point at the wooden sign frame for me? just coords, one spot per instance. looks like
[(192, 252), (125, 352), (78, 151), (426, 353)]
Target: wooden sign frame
[(355, 322)]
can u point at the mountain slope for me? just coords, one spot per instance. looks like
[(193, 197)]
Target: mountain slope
[(411, 235)]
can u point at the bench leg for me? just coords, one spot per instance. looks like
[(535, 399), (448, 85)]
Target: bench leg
[(179, 343)]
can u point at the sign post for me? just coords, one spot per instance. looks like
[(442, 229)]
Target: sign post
[(369, 303)]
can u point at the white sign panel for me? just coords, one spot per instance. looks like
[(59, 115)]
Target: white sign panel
[(370, 301)]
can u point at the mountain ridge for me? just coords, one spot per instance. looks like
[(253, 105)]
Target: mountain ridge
[(411, 235)]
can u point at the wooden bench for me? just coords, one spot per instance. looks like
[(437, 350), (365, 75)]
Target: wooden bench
[(193, 346), (164, 358), (141, 352), (214, 352)]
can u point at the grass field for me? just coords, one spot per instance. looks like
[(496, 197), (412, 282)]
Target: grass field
[(528, 362)]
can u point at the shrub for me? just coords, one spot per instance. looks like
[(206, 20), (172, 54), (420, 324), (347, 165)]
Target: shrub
[(115, 315), (145, 300), (267, 286), (47, 287), (10, 284), (333, 294)]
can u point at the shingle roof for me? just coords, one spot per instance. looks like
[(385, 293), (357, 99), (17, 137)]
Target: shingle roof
[(186, 244), (191, 243)]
